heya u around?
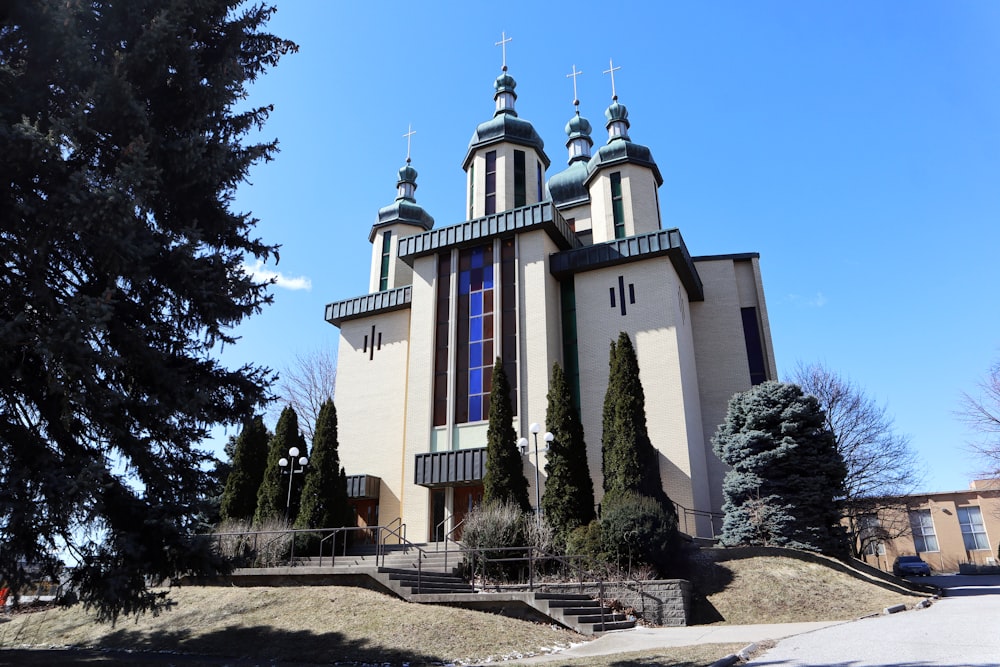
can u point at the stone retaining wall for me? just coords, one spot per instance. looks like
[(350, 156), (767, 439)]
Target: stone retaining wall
[(656, 602)]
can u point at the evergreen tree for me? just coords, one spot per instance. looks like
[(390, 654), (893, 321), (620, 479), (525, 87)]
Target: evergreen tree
[(272, 497), (249, 459), (324, 502), (629, 461), (786, 474), (504, 480), (124, 130), (568, 502)]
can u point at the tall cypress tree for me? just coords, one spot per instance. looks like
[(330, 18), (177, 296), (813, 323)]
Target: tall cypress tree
[(785, 471), (568, 501), (272, 497), (239, 500), (504, 480), (324, 502), (629, 461)]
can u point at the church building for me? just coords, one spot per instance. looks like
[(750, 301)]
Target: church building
[(545, 269)]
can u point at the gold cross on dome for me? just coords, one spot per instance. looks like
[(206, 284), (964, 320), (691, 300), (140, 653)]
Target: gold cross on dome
[(409, 133), (611, 70), (574, 74), (504, 40)]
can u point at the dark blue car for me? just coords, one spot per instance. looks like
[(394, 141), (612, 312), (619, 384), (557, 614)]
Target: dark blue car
[(911, 566)]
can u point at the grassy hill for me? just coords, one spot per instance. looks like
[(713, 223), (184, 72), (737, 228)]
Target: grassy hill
[(325, 624)]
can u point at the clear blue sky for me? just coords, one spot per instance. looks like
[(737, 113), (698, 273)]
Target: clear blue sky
[(854, 145)]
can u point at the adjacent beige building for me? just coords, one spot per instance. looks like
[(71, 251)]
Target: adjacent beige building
[(542, 271), (946, 529)]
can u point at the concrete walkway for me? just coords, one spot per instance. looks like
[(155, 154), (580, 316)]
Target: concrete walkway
[(644, 639)]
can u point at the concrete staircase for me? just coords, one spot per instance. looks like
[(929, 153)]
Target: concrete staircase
[(580, 612)]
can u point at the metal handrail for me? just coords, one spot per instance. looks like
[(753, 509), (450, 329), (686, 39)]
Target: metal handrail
[(686, 512), (380, 552), (447, 537), (399, 521)]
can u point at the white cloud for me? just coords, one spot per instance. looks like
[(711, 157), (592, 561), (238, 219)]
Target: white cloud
[(260, 273), (816, 301)]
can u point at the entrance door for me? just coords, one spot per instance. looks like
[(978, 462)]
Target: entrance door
[(437, 515), (466, 499), (366, 511)]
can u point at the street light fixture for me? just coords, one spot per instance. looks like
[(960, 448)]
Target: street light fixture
[(523, 445), (289, 463)]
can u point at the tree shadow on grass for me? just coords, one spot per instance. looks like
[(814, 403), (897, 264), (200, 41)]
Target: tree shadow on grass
[(707, 577), (268, 645)]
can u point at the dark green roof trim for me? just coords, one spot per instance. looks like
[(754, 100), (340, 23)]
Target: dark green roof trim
[(622, 151), (403, 212), (462, 467), (542, 216), (632, 249), (339, 312), (734, 256)]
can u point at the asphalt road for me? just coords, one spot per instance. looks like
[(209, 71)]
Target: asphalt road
[(961, 629)]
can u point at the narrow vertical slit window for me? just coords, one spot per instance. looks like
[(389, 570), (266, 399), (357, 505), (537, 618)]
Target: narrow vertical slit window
[(383, 280), (538, 175), (472, 188), (618, 205), (755, 349), (520, 184), (491, 182)]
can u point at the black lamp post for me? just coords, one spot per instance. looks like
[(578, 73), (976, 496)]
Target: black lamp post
[(289, 463)]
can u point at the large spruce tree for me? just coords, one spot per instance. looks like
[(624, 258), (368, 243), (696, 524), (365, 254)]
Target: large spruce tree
[(786, 474), (568, 501), (324, 502), (629, 461), (273, 494), (123, 131), (239, 500), (504, 480)]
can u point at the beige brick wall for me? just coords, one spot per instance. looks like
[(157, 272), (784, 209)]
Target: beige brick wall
[(660, 331), (371, 387), (639, 197), (505, 178), (720, 347), (399, 273)]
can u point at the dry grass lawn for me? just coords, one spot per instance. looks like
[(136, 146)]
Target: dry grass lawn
[(786, 590), (299, 625)]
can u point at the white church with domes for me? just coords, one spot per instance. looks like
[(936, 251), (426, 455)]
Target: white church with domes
[(544, 270)]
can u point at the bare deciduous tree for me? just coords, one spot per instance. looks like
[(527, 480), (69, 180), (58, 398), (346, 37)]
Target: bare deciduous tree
[(882, 467), (982, 413), (305, 383)]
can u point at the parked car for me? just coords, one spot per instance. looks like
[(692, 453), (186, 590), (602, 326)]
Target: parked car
[(910, 565)]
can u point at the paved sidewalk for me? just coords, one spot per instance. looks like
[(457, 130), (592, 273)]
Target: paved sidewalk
[(643, 639)]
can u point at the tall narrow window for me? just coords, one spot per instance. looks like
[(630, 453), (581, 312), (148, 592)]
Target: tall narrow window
[(508, 315), (618, 205), (491, 183), (755, 349), (383, 279), (474, 371), (441, 339), (922, 525), (538, 175), (520, 185), (973, 531), (472, 188)]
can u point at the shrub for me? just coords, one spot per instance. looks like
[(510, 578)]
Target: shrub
[(587, 541), (238, 543), (502, 530), (637, 529)]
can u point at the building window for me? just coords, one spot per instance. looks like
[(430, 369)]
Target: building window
[(520, 180), (538, 175), (383, 280), (474, 371), (973, 531), (618, 205), (755, 349), (870, 535), (922, 525), (508, 316), (472, 187), (441, 332), (491, 183)]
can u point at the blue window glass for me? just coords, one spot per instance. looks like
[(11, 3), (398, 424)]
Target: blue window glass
[(475, 408), (475, 355), (477, 258), (487, 277), (476, 381), (475, 329), (476, 304), (463, 282)]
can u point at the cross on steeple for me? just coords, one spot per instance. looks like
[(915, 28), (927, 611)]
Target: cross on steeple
[(504, 39), (409, 133), (611, 70), (574, 74)]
